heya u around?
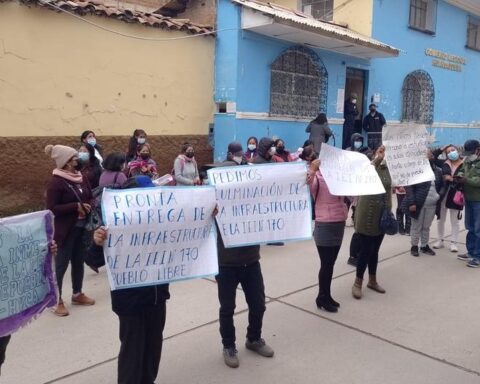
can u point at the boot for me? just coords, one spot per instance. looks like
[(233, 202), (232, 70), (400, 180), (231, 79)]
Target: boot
[(372, 284), (357, 288), (324, 302)]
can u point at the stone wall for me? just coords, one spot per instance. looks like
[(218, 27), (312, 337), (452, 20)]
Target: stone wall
[(26, 169)]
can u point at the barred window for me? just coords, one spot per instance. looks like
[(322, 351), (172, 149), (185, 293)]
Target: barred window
[(423, 14), (473, 34), (319, 9), (418, 98), (299, 84)]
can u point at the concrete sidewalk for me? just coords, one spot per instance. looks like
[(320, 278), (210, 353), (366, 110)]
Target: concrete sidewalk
[(421, 331)]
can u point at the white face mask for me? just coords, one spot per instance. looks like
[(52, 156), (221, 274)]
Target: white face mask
[(354, 101), (92, 141), (273, 150), (141, 140), (237, 159), (83, 156), (252, 147)]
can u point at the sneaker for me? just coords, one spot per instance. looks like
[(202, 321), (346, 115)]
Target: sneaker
[(439, 244), (427, 250), (474, 263), (82, 299), (464, 257), (414, 251), (260, 347), (352, 261), (453, 248), (61, 310), (230, 357)]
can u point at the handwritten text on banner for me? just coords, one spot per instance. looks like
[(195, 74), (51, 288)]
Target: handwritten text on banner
[(158, 235), (349, 173), (262, 203)]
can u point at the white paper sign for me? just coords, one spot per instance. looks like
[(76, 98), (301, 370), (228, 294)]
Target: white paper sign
[(158, 235), (349, 173), (406, 154), (262, 203)]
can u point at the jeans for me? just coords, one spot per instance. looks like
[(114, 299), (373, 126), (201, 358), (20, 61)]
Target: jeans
[(251, 279), (369, 247), (72, 251), (141, 338), (328, 256), (472, 224)]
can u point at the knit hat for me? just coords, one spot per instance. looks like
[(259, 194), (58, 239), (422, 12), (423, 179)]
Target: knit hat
[(60, 153), (470, 147)]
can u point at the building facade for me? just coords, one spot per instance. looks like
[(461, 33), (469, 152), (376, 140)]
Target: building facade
[(416, 59)]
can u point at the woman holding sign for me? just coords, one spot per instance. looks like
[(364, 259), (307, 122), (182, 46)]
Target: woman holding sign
[(330, 216), (367, 225)]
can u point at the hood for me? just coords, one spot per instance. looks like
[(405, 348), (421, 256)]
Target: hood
[(264, 146), (355, 137)]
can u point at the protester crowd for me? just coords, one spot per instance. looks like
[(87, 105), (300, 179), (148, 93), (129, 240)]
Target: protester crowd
[(81, 173)]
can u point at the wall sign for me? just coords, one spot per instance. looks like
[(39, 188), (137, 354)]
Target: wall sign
[(445, 60)]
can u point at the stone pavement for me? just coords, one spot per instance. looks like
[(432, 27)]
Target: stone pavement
[(421, 331)]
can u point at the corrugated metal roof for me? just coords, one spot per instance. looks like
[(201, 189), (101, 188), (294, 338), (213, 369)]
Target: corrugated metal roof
[(304, 21), (149, 19)]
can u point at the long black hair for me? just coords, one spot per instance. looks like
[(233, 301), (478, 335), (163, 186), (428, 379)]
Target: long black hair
[(133, 143), (114, 162), (321, 118)]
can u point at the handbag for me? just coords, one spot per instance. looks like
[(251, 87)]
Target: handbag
[(93, 220), (388, 222), (459, 199)]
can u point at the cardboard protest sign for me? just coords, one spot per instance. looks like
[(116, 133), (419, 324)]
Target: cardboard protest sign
[(349, 173), (262, 203), (159, 235), (406, 154), (27, 284)]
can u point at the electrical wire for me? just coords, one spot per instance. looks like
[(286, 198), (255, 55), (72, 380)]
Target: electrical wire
[(47, 3)]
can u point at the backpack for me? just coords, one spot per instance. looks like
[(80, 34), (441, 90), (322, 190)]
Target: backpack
[(97, 194)]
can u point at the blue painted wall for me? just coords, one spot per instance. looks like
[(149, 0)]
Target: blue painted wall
[(457, 96)]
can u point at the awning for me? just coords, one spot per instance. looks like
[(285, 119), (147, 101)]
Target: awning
[(275, 21)]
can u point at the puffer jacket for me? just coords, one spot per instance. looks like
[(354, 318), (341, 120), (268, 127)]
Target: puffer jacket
[(471, 170), (417, 194), (328, 208), (369, 208)]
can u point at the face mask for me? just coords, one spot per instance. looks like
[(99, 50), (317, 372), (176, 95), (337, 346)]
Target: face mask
[(252, 147), (273, 150), (280, 149), (92, 141), (472, 158), (372, 111), (237, 159), (453, 155), (141, 140), (357, 144), (354, 101), (190, 154), (83, 156), (145, 156)]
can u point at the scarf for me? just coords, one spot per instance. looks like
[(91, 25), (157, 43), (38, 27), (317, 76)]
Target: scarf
[(75, 177)]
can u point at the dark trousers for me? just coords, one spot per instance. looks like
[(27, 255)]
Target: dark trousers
[(72, 251), (355, 245), (369, 247), (251, 280), (3, 348), (141, 338), (328, 256)]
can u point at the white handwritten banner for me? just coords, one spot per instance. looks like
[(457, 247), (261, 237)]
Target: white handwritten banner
[(159, 235), (406, 154), (349, 173), (27, 283), (262, 203)]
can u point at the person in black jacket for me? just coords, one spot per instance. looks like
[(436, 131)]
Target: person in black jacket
[(350, 113), (422, 202), (240, 265), (265, 151), (373, 124), (142, 313)]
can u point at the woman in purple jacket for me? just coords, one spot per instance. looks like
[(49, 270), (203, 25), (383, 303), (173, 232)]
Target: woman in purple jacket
[(69, 198), (330, 216)]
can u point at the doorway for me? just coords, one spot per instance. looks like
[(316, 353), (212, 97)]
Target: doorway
[(355, 83)]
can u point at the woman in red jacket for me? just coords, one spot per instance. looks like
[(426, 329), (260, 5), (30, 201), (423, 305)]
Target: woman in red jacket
[(330, 215), (69, 197)]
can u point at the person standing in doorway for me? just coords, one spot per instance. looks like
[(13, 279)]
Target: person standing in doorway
[(240, 265), (373, 124), (350, 113), (470, 178), (319, 131)]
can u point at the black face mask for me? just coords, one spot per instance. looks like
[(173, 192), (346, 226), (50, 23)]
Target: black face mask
[(79, 166), (372, 111), (189, 154), (145, 156), (280, 149)]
